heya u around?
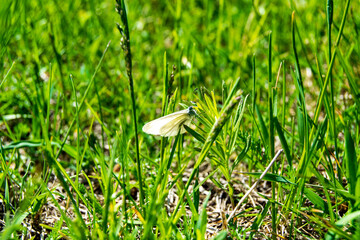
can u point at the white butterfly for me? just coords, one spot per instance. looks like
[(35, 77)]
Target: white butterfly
[(169, 125)]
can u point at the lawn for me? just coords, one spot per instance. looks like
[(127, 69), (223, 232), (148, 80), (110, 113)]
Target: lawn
[(259, 135)]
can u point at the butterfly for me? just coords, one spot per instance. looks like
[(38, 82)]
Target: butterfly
[(170, 125)]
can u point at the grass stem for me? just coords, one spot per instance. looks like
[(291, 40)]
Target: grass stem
[(127, 51)]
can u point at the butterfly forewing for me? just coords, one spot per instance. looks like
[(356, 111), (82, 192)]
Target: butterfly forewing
[(172, 128), (154, 127)]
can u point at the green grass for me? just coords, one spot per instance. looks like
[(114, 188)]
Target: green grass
[(79, 79)]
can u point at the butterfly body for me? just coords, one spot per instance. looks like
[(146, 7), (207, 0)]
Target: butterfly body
[(170, 125)]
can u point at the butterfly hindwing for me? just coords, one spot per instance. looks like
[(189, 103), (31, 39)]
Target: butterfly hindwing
[(172, 128)]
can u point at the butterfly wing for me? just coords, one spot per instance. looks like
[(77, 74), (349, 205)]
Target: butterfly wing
[(172, 128), (187, 123), (155, 127)]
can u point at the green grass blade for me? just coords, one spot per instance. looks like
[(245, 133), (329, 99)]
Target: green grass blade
[(200, 229), (259, 219), (271, 177), (316, 200), (263, 129), (351, 161), (352, 83), (283, 141), (7, 74)]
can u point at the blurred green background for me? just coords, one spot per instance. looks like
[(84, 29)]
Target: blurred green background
[(221, 37)]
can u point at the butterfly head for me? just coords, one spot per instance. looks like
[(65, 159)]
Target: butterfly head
[(192, 111)]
